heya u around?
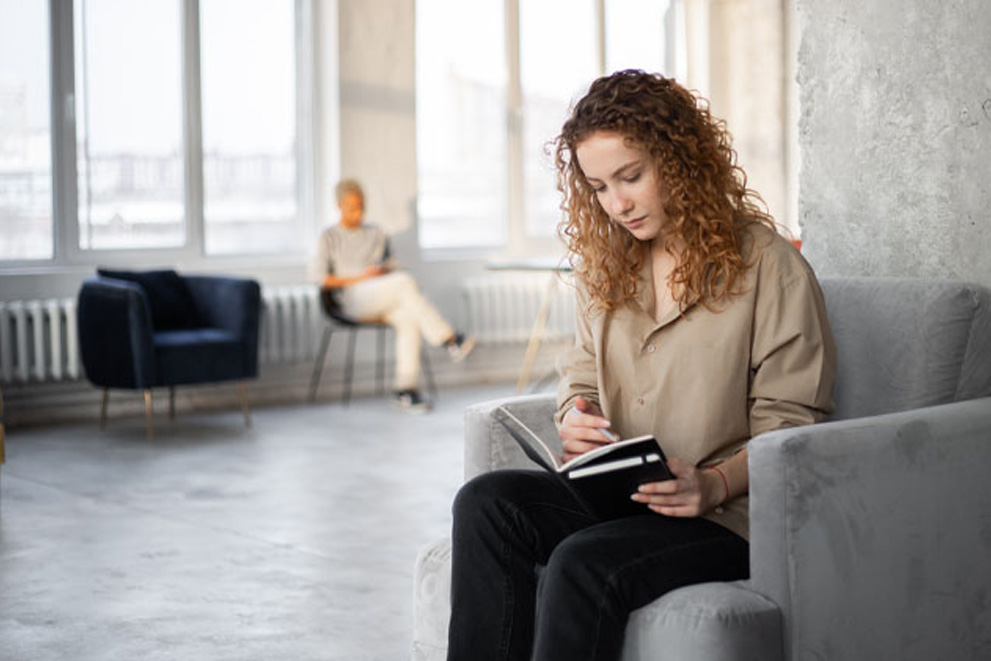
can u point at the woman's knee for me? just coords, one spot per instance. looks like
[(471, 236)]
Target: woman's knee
[(403, 282), (572, 569), (481, 492)]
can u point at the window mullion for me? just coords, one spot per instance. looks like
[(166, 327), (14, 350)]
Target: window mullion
[(192, 130), (515, 189), (600, 37), (63, 121), (305, 104)]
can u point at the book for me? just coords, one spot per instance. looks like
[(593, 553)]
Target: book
[(602, 479)]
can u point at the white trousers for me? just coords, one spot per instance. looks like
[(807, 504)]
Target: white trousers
[(396, 299)]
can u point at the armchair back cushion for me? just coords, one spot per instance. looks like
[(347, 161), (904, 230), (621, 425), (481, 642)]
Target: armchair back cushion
[(907, 343), (168, 296)]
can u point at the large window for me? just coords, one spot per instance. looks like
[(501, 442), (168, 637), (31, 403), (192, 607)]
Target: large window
[(129, 129), (249, 125), (493, 93), (25, 134), (461, 127), (558, 59), (186, 126)]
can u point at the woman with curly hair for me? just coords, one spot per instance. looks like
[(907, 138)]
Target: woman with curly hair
[(698, 324)]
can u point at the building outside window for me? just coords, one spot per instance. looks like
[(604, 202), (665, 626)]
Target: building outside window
[(25, 131), (186, 123)]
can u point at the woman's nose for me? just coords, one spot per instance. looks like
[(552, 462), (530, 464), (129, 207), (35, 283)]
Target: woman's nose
[(619, 205)]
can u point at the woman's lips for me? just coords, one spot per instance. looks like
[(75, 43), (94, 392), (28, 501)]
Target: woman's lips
[(635, 223)]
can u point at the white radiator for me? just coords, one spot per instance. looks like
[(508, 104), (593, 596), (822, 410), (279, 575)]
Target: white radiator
[(291, 324), (38, 341), (502, 307)]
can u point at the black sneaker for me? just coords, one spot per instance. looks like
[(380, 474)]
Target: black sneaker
[(460, 346), (411, 401)]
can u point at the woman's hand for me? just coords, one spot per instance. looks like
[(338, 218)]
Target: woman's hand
[(692, 493), (582, 429), (373, 272)]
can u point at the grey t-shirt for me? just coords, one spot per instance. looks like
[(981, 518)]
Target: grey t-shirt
[(348, 252)]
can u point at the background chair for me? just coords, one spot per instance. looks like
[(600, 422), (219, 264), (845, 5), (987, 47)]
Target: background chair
[(870, 533), (338, 320), (147, 329)]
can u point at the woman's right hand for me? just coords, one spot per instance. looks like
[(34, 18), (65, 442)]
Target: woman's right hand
[(582, 429)]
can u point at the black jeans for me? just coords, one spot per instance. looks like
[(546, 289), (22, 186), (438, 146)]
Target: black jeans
[(509, 523)]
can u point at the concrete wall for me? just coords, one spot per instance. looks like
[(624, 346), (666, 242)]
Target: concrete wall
[(895, 137)]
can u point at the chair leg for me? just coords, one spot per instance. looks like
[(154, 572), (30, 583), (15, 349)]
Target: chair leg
[(428, 374), (380, 364), (349, 367), (242, 394), (103, 408), (171, 402), (318, 365), (148, 411)]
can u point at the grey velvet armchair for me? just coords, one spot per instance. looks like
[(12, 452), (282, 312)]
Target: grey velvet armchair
[(870, 533)]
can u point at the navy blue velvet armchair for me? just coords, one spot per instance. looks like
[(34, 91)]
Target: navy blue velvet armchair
[(149, 329)]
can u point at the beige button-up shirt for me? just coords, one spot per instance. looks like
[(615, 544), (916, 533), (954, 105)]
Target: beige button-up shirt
[(705, 382)]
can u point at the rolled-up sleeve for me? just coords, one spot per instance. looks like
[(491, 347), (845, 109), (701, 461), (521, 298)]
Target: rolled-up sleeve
[(793, 358)]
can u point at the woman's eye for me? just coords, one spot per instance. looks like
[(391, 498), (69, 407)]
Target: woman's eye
[(598, 190), (632, 178)]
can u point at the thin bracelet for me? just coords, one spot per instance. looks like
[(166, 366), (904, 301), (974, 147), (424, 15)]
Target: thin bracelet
[(725, 482)]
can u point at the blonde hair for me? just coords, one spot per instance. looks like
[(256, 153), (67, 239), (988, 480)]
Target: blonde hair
[(347, 187), (708, 203)]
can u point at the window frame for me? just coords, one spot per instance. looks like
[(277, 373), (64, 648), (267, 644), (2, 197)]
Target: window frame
[(67, 255), (519, 242)]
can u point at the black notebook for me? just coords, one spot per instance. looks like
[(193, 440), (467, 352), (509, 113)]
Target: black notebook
[(602, 479)]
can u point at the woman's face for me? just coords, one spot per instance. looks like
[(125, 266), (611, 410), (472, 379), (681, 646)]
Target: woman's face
[(352, 208), (624, 183)]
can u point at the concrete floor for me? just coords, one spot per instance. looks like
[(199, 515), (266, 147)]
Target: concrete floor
[(294, 539)]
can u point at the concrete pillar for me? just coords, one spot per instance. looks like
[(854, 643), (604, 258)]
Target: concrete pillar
[(895, 137)]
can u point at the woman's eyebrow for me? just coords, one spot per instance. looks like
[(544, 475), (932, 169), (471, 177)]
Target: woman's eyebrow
[(619, 171), (629, 166)]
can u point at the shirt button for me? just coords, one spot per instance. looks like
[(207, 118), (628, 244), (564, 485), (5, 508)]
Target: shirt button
[(651, 349), (640, 401), (719, 510)]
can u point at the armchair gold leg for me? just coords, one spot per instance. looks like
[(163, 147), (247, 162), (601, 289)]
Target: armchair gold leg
[(242, 394), (103, 408), (148, 411), (171, 402)]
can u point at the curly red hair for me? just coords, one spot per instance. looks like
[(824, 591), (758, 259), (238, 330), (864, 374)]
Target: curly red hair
[(709, 205)]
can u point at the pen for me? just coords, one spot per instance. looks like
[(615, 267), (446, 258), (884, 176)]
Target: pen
[(608, 434)]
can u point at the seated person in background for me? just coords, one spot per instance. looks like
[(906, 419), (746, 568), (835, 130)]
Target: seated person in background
[(357, 268)]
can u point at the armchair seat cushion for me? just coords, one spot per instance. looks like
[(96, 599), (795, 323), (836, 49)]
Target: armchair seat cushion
[(198, 355)]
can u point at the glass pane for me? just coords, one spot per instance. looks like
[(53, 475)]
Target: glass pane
[(25, 135), (635, 35), (248, 76), (461, 123), (129, 124), (557, 63)]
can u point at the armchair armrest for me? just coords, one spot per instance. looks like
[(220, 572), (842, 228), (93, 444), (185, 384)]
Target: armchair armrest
[(231, 304), (878, 528), (488, 446), (115, 334)]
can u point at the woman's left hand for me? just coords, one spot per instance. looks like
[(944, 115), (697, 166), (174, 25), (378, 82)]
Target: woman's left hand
[(692, 493)]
